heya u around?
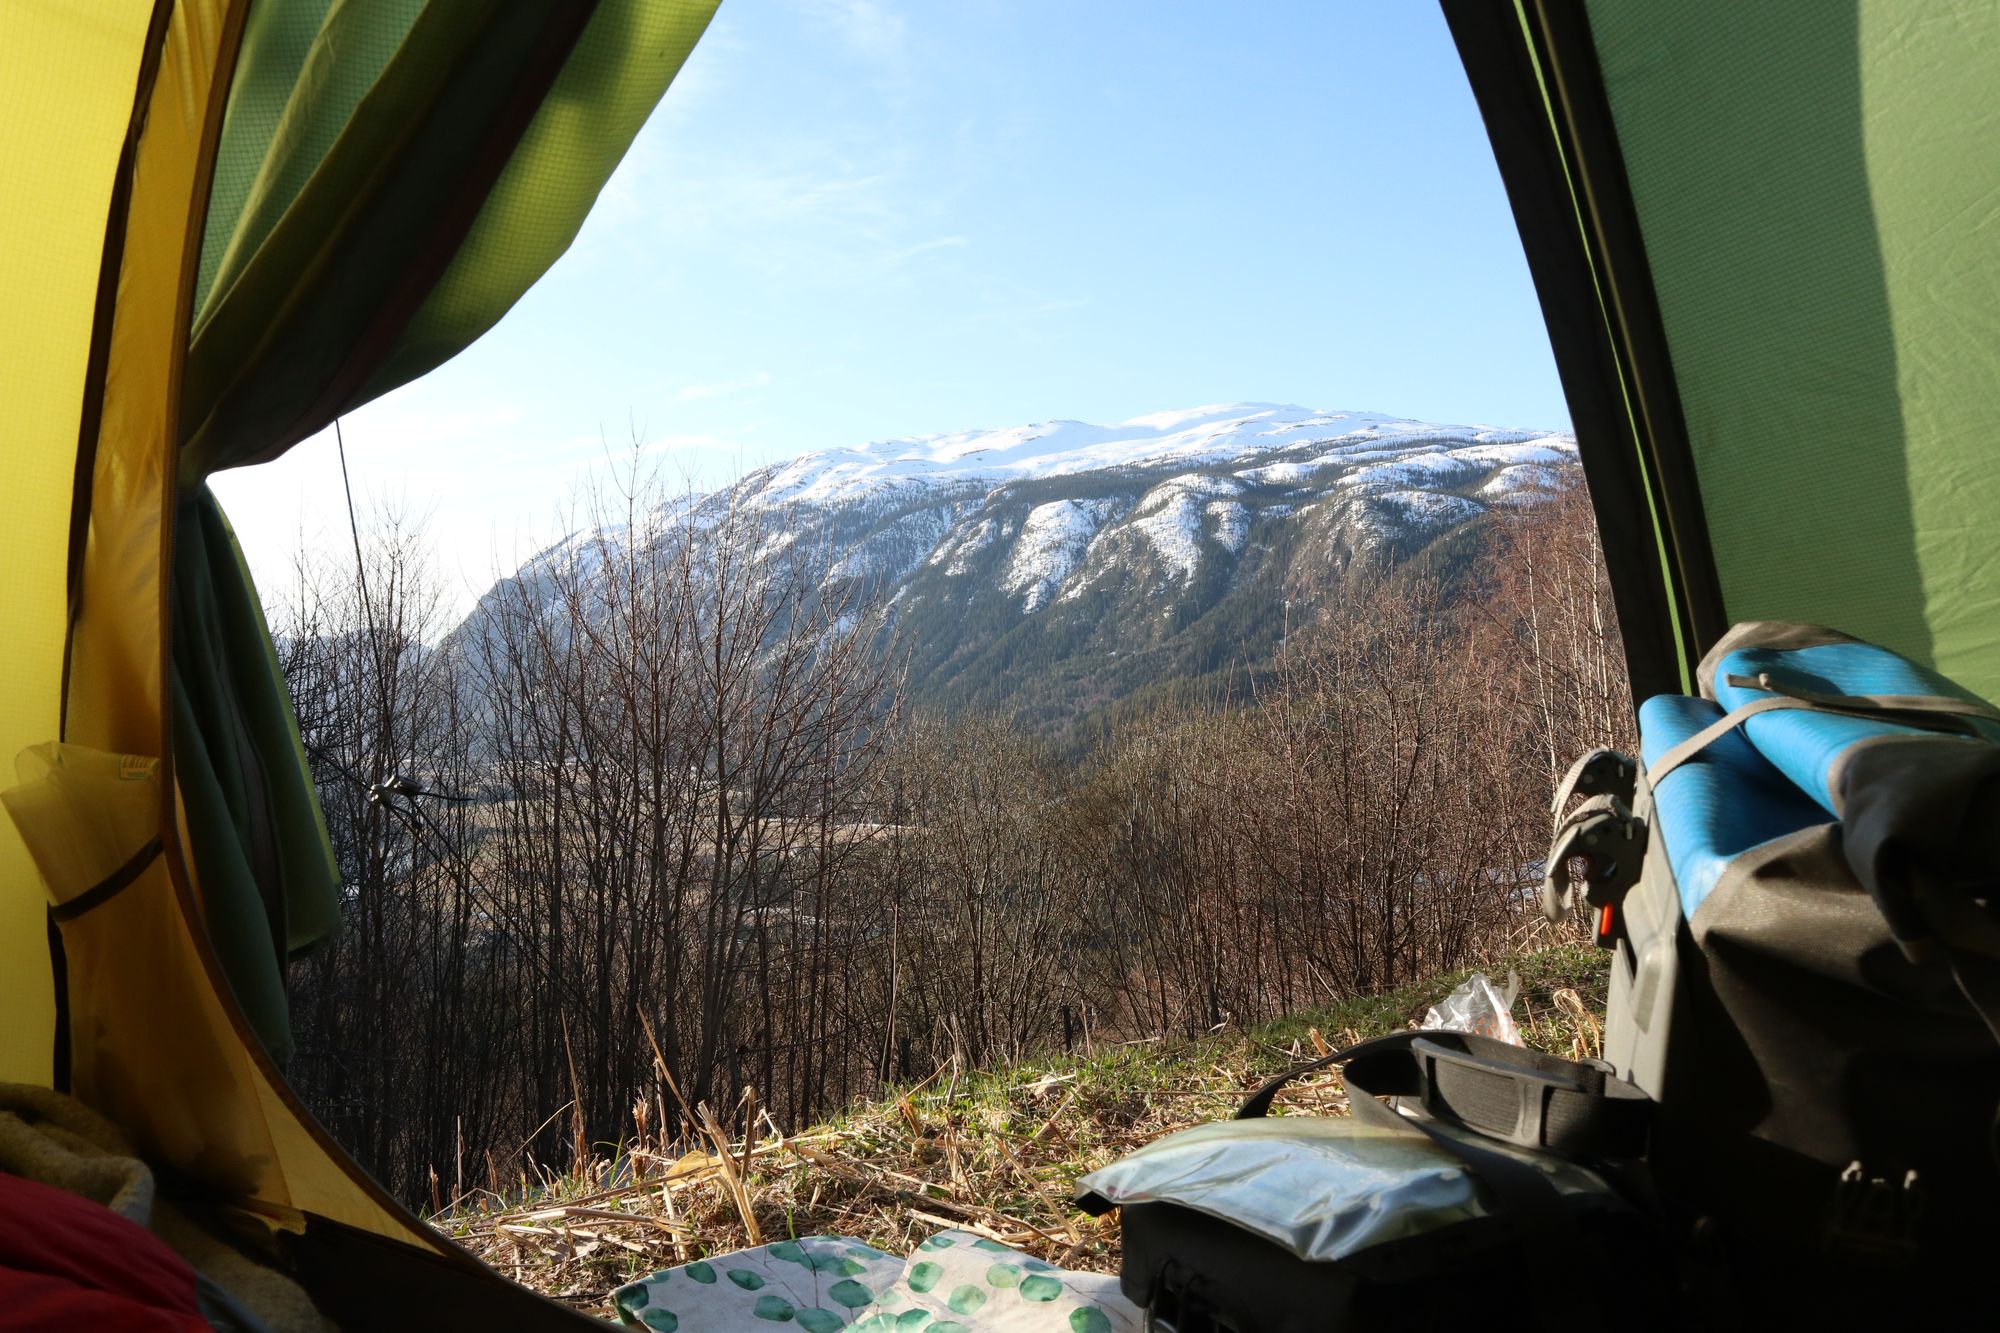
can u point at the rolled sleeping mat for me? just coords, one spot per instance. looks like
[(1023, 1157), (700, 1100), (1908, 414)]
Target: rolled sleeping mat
[(1722, 802), (1809, 745), (1906, 759)]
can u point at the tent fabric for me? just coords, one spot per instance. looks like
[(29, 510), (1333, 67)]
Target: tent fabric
[(366, 226), (154, 1042), (259, 841), (304, 305), (389, 180), (615, 76), (1828, 268), (111, 683), (314, 60), (67, 79), (438, 154), (1813, 247), (1567, 240)]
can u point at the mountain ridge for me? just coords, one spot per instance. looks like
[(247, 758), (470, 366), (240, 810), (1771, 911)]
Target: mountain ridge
[(1055, 569)]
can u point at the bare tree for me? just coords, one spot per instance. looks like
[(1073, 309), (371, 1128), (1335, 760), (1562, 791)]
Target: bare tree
[(661, 786)]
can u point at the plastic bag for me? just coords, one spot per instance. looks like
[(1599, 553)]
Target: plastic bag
[(1478, 1007), (1322, 1187)]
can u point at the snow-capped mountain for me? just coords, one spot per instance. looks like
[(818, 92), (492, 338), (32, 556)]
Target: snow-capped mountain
[(1288, 444), (1049, 569)]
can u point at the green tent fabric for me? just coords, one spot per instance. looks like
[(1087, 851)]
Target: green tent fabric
[(260, 842), (391, 176), (1819, 214), (1765, 237)]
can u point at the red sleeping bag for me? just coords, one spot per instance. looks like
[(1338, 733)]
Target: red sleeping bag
[(67, 1263)]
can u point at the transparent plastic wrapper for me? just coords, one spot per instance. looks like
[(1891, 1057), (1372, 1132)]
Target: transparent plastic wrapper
[(1477, 1007), (1322, 1187)]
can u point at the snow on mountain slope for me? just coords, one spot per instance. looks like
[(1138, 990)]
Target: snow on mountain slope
[(1202, 436), (1429, 470), (1081, 562), (954, 555), (1232, 524), (1521, 482), (1551, 449), (1052, 543), (1170, 517), (1399, 515)]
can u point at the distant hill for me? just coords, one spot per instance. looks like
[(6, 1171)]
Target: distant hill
[(1055, 571)]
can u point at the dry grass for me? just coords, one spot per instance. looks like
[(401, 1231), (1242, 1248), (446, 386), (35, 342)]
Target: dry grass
[(993, 1152)]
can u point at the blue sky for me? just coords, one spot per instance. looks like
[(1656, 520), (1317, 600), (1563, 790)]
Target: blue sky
[(857, 219)]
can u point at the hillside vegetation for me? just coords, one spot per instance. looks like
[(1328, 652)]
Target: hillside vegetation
[(995, 1151), (673, 805)]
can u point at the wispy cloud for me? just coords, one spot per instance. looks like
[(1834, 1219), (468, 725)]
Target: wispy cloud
[(819, 217), (816, 191), (691, 392), (908, 253), (873, 30), (1033, 309), (848, 195)]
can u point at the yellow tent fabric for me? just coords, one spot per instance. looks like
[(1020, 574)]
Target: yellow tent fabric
[(67, 76)]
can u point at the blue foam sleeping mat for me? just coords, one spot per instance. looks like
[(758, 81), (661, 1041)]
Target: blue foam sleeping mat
[(1773, 775)]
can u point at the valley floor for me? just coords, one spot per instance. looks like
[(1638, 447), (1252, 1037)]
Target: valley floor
[(989, 1151)]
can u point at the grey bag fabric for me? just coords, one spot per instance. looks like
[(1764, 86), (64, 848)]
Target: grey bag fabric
[(50, 1137)]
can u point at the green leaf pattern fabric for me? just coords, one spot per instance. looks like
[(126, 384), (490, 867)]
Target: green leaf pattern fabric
[(956, 1282)]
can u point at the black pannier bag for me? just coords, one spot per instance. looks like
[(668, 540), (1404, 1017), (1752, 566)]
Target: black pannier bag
[(1798, 885), (1412, 1218)]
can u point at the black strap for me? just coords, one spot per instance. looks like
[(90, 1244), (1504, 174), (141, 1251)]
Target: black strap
[(108, 888), (1258, 1104), (59, 1064), (1490, 1088), (1444, 1070)]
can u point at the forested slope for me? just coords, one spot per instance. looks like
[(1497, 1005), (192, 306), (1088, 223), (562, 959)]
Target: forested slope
[(677, 793)]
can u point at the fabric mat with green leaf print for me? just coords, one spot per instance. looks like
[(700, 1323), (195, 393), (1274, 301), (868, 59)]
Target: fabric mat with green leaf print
[(956, 1282)]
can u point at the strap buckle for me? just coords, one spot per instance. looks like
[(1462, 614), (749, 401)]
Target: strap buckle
[(1609, 840), (1602, 772)]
